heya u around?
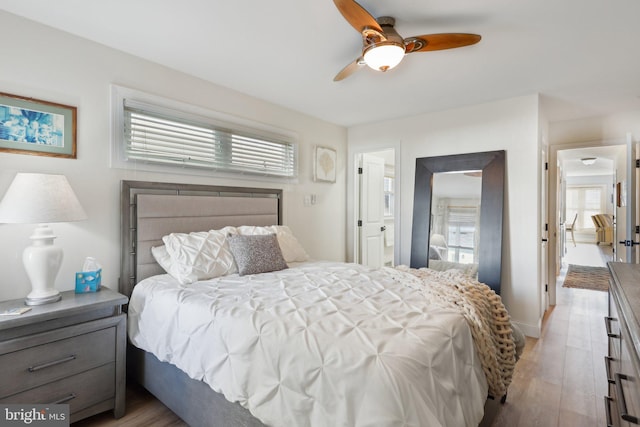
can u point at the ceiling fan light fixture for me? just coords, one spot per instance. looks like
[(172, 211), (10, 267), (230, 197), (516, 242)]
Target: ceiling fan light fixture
[(588, 161), (383, 56)]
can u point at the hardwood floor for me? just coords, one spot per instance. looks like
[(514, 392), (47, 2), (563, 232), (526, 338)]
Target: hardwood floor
[(142, 410), (559, 381)]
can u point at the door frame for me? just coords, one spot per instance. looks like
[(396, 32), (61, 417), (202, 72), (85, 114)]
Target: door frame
[(353, 197), (625, 231), (552, 206), (545, 228)]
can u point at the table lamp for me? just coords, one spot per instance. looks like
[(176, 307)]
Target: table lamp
[(34, 198)]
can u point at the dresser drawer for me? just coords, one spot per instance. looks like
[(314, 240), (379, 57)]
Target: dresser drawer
[(627, 385), (33, 366), (78, 391)]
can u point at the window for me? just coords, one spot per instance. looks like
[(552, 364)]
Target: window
[(154, 134), (388, 196), (585, 201), (461, 234)]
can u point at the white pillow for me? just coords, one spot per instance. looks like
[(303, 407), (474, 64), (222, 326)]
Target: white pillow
[(163, 258), (292, 250), (199, 255), (253, 230)]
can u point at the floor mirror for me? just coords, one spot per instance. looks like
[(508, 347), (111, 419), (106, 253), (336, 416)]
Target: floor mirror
[(457, 214)]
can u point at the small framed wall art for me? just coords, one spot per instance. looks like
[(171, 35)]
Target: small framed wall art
[(41, 128), (325, 164)]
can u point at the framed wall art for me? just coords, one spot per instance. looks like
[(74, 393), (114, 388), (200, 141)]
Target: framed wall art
[(325, 164), (41, 128)]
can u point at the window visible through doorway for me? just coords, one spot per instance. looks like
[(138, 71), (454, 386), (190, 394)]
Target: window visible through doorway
[(585, 200), (388, 196)]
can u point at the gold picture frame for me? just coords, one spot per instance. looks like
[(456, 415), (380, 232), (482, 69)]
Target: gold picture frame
[(36, 127)]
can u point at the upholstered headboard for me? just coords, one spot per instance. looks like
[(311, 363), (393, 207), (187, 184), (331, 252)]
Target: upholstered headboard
[(151, 210)]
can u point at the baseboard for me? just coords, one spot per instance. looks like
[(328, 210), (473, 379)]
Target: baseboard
[(533, 331)]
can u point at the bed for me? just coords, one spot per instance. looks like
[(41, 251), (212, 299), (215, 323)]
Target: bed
[(318, 343)]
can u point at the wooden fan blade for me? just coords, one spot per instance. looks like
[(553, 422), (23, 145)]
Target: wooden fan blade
[(442, 41), (349, 69), (357, 16)]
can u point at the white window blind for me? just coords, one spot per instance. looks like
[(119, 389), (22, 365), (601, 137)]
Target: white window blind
[(461, 234), (160, 137)]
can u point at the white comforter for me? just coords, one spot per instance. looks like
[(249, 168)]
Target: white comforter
[(322, 344)]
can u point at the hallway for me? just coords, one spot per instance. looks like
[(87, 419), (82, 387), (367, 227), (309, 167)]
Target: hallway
[(560, 379)]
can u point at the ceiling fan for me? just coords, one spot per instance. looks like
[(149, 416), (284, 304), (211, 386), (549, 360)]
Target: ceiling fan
[(383, 48)]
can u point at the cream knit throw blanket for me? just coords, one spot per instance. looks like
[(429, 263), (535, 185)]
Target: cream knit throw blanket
[(486, 315)]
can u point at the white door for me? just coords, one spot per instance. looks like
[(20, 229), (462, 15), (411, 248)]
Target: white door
[(626, 222), (371, 223), (544, 232)]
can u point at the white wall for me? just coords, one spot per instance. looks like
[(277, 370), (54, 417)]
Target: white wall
[(595, 129), (511, 125), (50, 65)]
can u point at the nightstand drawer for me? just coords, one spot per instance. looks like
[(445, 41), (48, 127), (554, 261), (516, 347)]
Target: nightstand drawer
[(40, 364), (79, 391)]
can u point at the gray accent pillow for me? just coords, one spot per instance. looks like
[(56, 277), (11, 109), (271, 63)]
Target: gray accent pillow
[(257, 253)]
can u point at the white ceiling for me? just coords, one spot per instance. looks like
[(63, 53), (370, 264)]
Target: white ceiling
[(457, 185), (605, 163), (581, 55)]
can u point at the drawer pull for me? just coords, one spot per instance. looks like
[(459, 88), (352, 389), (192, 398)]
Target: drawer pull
[(607, 367), (622, 404), (607, 324), (64, 399), (53, 363), (607, 410)]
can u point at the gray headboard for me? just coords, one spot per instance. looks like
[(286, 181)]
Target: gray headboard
[(150, 210)]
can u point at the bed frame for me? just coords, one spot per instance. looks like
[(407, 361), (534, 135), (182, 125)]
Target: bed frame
[(150, 210)]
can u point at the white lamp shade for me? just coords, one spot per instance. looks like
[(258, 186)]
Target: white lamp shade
[(384, 57), (34, 198), (41, 198)]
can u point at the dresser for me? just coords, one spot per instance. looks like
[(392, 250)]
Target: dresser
[(69, 352), (622, 363)]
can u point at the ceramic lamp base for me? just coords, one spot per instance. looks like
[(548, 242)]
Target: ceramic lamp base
[(42, 300), (42, 262)]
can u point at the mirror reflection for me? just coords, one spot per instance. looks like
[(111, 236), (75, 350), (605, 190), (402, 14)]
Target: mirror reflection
[(455, 221)]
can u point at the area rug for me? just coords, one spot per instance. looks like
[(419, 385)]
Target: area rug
[(586, 277)]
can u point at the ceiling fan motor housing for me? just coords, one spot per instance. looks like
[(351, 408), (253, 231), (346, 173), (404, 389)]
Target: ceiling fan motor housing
[(389, 41)]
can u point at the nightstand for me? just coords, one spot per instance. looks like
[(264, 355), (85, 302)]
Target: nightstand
[(72, 351)]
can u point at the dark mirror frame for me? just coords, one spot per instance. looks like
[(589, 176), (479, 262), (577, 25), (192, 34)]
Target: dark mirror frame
[(492, 164)]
